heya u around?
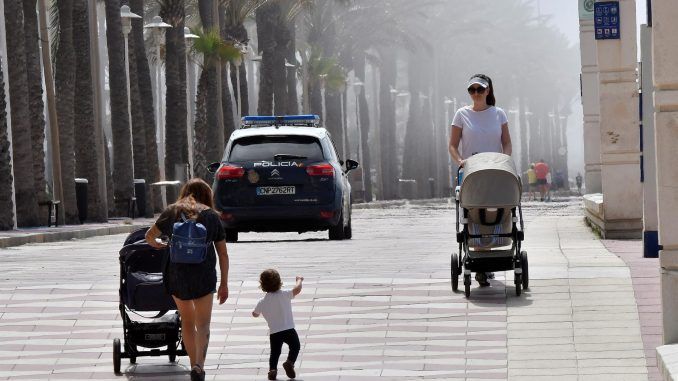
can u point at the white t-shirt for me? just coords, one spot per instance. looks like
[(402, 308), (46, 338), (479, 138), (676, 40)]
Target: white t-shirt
[(480, 130), (277, 310)]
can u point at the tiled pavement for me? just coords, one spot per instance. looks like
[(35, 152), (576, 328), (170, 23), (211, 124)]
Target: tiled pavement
[(378, 306)]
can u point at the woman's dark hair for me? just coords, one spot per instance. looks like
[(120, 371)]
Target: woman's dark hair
[(490, 100), (269, 281), (194, 196)]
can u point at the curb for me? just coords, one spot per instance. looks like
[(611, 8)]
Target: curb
[(66, 235)]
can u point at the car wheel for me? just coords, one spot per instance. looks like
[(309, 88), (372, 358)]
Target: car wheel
[(231, 235), (348, 230), (336, 232)]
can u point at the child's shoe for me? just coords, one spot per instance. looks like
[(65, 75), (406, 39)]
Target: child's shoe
[(289, 369), (272, 374)]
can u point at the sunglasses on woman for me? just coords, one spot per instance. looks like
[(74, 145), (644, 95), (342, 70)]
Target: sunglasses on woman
[(476, 89)]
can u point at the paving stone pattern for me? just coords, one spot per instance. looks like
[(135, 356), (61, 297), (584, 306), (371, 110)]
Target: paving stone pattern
[(377, 307)]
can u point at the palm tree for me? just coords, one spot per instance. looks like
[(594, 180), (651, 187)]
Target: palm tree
[(64, 80), (273, 85), (173, 12), (6, 205), (86, 158), (123, 185), (24, 186), (146, 101), (35, 102)]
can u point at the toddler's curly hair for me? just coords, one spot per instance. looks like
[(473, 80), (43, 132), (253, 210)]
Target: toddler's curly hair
[(269, 280)]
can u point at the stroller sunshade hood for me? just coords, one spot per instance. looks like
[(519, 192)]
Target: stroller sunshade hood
[(490, 181)]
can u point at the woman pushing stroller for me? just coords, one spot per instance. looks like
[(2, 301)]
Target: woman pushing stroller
[(481, 127), (192, 282)]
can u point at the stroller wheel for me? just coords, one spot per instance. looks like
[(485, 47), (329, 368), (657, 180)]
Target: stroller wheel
[(455, 272), (116, 356), (526, 273), (467, 286), (519, 282)]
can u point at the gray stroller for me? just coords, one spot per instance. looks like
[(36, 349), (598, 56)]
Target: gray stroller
[(489, 221)]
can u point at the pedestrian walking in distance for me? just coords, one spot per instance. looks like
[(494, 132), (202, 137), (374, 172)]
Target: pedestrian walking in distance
[(481, 127), (531, 183), (542, 170), (276, 306), (190, 273)]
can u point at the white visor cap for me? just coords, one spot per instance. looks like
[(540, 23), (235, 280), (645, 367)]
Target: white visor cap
[(479, 81)]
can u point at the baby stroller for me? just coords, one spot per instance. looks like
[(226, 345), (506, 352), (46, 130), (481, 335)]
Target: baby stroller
[(142, 290), (487, 226)]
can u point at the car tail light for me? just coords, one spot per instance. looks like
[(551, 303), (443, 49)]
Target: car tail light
[(226, 216), (326, 215), (320, 170), (230, 172)]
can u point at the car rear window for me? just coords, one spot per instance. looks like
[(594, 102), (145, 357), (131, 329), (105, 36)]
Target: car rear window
[(258, 148)]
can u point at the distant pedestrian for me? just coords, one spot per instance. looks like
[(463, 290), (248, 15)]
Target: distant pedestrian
[(481, 127), (579, 180), (549, 185), (541, 169), (192, 284), (531, 182), (276, 306)]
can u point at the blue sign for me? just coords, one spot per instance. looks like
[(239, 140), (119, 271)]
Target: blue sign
[(606, 20)]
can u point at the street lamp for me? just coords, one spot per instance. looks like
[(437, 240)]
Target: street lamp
[(357, 85), (190, 95), (157, 26), (126, 17)]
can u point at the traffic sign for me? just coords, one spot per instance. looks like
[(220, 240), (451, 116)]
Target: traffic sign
[(606, 20)]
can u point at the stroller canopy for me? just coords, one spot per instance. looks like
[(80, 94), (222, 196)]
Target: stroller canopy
[(490, 181)]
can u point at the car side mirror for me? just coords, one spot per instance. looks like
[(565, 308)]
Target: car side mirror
[(212, 168), (351, 165)]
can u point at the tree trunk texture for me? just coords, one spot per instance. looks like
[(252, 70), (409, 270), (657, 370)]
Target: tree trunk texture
[(110, 194), (86, 158), (146, 94), (26, 202), (6, 178), (65, 88), (364, 115), (226, 96), (525, 154), (175, 72), (287, 34), (315, 98), (35, 103), (239, 33), (387, 118), (333, 122), (200, 136), (123, 186), (214, 131), (266, 17)]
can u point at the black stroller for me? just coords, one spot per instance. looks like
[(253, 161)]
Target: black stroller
[(489, 221), (142, 290)]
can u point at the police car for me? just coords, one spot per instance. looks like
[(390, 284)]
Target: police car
[(281, 174)]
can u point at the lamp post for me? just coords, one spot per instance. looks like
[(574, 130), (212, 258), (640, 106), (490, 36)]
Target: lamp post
[(190, 96), (357, 87), (253, 82), (126, 15), (323, 77), (448, 122), (157, 26)]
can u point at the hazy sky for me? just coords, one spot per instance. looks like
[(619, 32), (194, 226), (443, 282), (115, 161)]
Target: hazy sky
[(565, 15)]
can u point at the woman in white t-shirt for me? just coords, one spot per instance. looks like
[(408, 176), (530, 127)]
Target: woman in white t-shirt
[(481, 127)]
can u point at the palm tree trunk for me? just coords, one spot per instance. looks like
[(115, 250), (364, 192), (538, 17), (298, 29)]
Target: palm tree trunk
[(6, 180), (265, 19), (389, 160), (123, 186), (26, 202), (65, 87), (524, 153), (239, 33), (175, 72), (200, 137), (35, 103), (287, 41), (86, 158), (364, 115), (146, 95)]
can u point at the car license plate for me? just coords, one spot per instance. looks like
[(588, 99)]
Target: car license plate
[(272, 191)]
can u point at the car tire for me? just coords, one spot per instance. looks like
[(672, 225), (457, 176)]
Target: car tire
[(231, 235), (336, 232), (348, 230)]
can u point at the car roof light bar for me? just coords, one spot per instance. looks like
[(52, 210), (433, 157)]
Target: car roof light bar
[(308, 120)]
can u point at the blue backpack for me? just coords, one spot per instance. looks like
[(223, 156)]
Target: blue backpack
[(189, 241)]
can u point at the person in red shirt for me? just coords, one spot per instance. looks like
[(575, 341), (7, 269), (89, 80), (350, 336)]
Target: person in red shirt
[(541, 169)]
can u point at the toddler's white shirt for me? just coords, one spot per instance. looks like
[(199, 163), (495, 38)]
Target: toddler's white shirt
[(277, 310)]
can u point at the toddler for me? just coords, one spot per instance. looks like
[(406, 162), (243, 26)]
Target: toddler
[(276, 306)]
